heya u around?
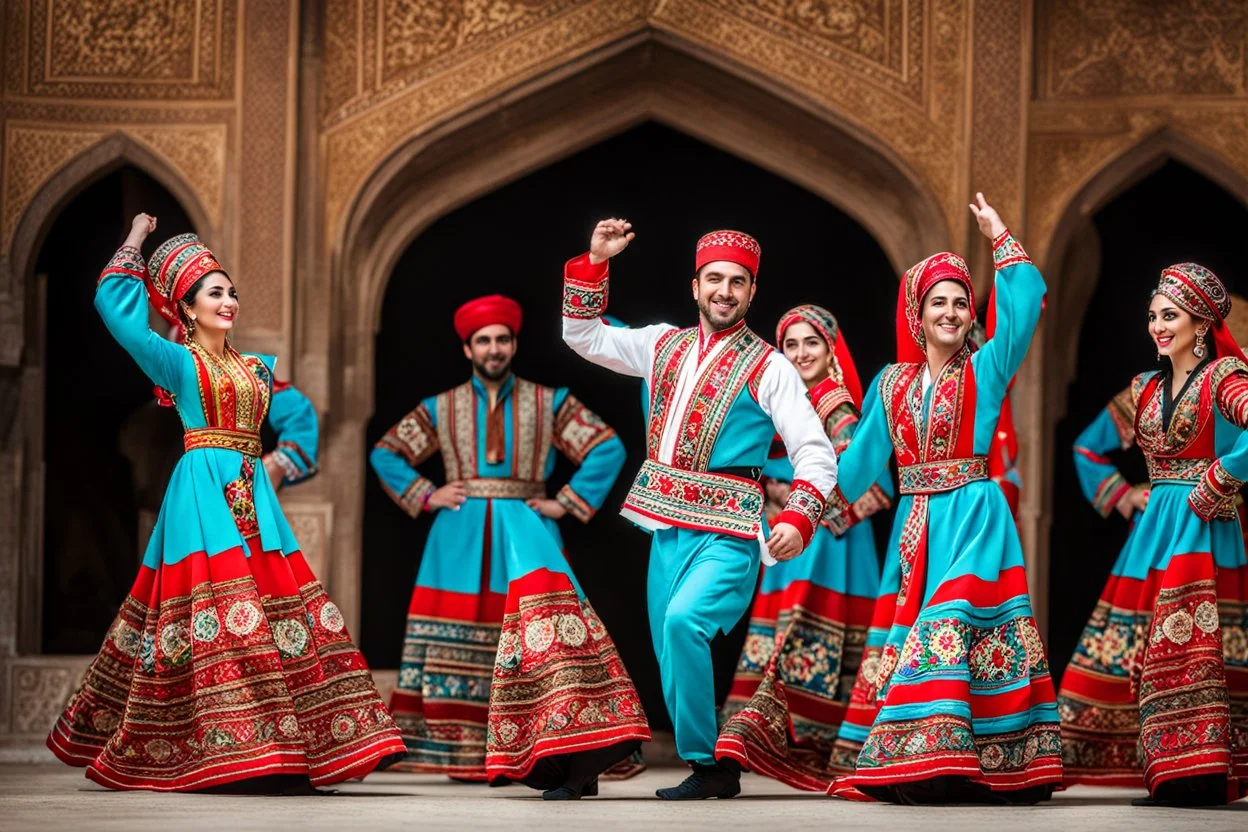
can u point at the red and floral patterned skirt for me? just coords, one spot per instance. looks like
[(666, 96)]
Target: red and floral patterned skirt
[(219, 669), (559, 685), (1158, 686)]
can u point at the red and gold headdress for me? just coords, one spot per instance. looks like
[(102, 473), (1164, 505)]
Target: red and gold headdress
[(824, 323), (174, 268), (918, 279), (732, 246), (1199, 292), (486, 311)]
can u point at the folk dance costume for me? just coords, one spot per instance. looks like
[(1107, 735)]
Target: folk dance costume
[(966, 701), (227, 660), (716, 401), (809, 622), (505, 661), (292, 417), (1157, 690)]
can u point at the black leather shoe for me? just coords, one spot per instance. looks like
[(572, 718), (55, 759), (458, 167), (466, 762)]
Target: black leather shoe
[(722, 781), (566, 792)]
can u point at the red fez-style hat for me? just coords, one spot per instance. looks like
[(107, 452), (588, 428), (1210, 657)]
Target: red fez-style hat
[(483, 312), (732, 246)]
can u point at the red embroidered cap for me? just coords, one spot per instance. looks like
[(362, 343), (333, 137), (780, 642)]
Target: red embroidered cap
[(1199, 291), (733, 246), (175, 267), (486, 311)]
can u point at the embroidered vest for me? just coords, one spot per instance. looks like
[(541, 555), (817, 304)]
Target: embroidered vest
[(532, 430), (684, 493)]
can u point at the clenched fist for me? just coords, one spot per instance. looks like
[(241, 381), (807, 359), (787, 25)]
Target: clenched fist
[(610, 237)]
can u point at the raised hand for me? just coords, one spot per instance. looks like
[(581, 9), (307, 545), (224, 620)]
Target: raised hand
[(990, 222), (610, 237), (140, 227)]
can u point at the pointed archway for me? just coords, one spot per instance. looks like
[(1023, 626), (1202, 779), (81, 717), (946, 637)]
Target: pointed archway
[(673, 188), (98, 164), (522, 131)]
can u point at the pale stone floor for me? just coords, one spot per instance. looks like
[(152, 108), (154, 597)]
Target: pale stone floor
[(53, 797)]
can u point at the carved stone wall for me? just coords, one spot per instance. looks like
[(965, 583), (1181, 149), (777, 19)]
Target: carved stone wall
[(895, 70)]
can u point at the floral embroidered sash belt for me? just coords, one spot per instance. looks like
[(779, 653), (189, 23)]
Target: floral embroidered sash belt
[(1169, 468), (945, 475), (497, 488), (245, 442), (664, 496), (923, 480)]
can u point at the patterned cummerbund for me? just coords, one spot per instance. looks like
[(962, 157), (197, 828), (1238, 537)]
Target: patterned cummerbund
[(491, 488), (1187, 470), (666, 496), (946, 475), (245, 442)]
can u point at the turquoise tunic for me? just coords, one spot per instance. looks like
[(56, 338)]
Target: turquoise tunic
[(194, 516)]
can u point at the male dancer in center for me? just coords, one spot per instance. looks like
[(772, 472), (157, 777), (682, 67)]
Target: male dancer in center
[(718, 395)]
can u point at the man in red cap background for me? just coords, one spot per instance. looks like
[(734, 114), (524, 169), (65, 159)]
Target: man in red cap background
[(493, 577), (718, 395)]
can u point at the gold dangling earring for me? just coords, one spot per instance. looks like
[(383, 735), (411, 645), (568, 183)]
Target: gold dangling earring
[(1199, 349), (190, 326)]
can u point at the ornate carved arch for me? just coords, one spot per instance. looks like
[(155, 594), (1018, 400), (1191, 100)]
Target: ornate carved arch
[(523, 130)]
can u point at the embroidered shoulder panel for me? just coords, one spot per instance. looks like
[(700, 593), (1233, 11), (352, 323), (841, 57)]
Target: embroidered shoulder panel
[(895, 383), (457, 431), (533, 429), (668, 355), (1232, 398), (1137, 387), (234, 391), (715, 392), (1188, 433), (413, 438), (578, 430)]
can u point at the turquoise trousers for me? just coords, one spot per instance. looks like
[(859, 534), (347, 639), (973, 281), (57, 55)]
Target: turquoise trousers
[(699, 584)]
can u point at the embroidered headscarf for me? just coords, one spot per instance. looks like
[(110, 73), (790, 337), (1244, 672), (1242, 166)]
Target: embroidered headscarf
[(918, 280), (824, 323), (1199, 292)]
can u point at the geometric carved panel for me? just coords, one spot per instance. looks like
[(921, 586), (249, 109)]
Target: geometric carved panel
[(198, 153), (170, 50), (882, 40), (34, 152), (31, 155), (1142, 47), (37, 688)]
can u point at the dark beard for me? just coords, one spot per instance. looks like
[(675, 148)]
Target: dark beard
[(492, 376), (704, 306)]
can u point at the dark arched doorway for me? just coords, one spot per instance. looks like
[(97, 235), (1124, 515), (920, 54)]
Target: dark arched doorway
[(91, 509), (1173, 215), (514, 240)]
